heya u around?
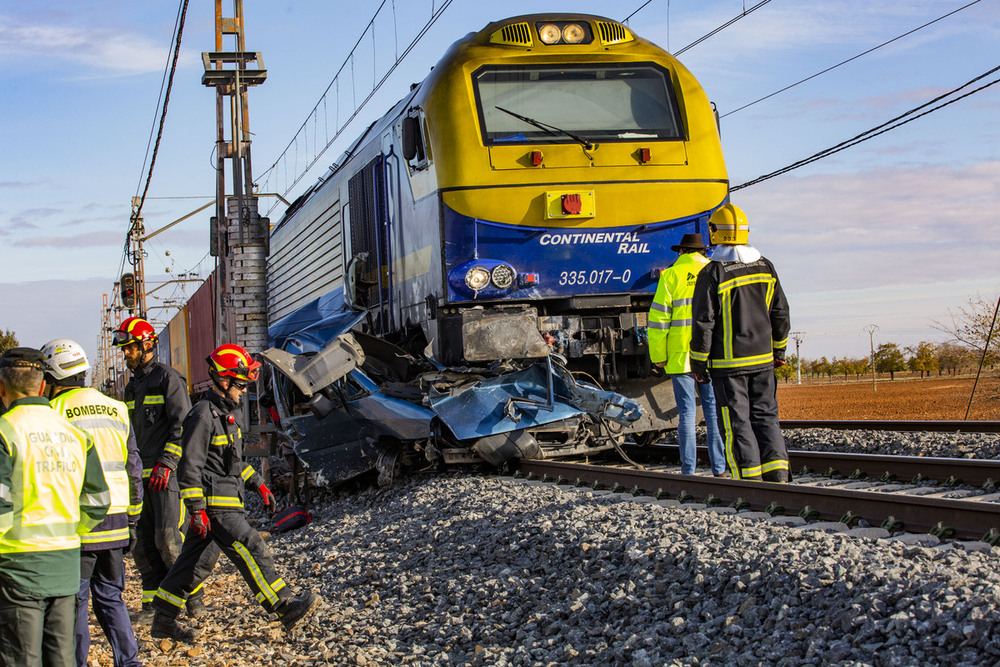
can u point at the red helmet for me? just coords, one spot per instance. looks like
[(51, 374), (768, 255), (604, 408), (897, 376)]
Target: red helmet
[(235, 362), (133, 330)]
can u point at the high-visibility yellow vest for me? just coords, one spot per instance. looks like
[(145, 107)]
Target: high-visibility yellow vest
[(107, 422), (49, 464), (669, 325)]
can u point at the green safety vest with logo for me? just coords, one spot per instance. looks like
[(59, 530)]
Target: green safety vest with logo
[(669, 324), (107, 422), (52, 490)]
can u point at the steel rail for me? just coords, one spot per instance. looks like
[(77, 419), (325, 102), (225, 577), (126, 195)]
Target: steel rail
[(889, 425), (948, 471), (962, 519)]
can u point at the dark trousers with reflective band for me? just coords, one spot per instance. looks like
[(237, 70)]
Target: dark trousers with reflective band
[(748, 420), (158, 538), (36, 632), (245, 548), (102, 579)]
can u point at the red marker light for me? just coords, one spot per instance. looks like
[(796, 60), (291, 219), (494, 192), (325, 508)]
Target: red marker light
[(572, 204), (644, 155), (536, 158)]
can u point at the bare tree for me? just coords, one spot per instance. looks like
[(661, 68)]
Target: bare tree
[(970, 326)]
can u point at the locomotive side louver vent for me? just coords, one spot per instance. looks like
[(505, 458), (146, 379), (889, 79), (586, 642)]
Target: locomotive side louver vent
[(516, 34), (613, 33)]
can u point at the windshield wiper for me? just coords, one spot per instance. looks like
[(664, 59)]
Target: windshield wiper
[(545, 127)]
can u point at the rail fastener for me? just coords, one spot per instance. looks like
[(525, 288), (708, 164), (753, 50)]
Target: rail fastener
[(661, 495), (942, 531), (636, 491), (740, 504), (831, 472), (858, 474), (887, 477), (774, 509), (809, 514), (952, 482), (850, 519), (893, 525), (712, 501), (684, 497), (992, 537)]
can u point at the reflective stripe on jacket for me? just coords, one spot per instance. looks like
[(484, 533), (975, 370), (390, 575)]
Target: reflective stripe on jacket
[(157, 401), (52, 490), (670, 313), (740, 317), (212, 473), (107, 422)]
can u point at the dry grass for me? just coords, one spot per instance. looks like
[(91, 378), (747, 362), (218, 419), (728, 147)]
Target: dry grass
[(935, 398)]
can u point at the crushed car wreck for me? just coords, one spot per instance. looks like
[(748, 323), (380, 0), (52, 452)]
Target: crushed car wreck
[(351, 402)]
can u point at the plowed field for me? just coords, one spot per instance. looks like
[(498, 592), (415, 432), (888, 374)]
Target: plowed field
[(936, 398)]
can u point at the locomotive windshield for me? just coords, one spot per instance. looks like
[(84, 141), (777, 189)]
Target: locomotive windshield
[(598, 103)]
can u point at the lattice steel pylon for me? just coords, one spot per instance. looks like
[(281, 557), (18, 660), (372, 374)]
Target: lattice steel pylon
[(239, 234)]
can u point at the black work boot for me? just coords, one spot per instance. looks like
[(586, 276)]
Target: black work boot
[(166, 627), (292, 611), (145, 614), (196, 607)]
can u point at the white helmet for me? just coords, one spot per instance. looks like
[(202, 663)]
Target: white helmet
[(65, 358)]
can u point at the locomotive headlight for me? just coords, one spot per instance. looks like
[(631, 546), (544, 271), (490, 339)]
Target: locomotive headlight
[(573, 34), (477, 278), (549, 33), (502, 276)]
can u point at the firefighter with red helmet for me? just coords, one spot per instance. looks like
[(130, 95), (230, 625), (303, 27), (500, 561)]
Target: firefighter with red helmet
[(157, 401), (212, 478)]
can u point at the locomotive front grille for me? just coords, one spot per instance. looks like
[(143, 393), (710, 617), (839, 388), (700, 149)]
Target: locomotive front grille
[(613, 33), (516, 34)]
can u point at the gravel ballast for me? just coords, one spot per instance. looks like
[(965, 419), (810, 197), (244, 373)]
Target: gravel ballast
[(459, 569)]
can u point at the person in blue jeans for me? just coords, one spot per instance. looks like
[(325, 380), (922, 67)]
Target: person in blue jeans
[(670, 349)]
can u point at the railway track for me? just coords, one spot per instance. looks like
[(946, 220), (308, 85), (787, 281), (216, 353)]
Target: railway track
[(949, 498)]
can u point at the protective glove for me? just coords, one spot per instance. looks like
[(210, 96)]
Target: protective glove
[(266, 495), (159, 477), (700, 372), (200, 523), (778, 363), (132, 536)]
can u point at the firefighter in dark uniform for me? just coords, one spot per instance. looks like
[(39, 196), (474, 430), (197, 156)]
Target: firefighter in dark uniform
[(739, 335), (157, 400), (212, 479)]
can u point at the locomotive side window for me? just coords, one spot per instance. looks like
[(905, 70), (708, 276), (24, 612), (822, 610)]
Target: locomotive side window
[(412, 140), (594, 102)]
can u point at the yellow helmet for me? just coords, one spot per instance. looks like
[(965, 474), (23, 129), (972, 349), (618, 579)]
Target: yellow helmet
[(729, 226)]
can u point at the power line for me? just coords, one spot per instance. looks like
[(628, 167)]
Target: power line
[(833, 67), (891, 124), (722, 27), (163, 115)]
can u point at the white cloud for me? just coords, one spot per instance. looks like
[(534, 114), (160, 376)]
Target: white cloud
[(98, 49)]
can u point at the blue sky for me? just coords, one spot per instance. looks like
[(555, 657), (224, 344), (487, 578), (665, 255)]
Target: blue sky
[(893, 232)]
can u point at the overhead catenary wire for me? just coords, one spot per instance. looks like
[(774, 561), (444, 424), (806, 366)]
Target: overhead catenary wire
[(844, 62), (891, 124), (722, 27), (163, 113)]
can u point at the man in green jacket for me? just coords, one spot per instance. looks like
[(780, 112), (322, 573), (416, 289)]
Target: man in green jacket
[(670, 349), (52, 490)]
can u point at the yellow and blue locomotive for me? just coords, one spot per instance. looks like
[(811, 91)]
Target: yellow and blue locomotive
[(517, 203)]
